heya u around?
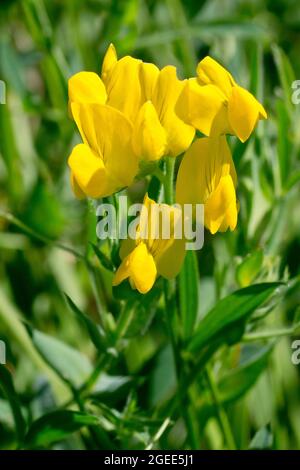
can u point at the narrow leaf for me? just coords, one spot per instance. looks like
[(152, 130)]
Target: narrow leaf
[(188, 285), (226, 321), (9, 391), (95, 332), (55, 426), (69, 363)]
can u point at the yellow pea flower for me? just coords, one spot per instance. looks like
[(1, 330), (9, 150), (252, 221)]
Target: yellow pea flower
[(105, 162), (157, 117), (215, 104), (147, 96), (141, 99), (151, 253), (207, 176)]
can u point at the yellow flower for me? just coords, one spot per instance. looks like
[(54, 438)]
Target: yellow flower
[(147, 96), (159, 131), (215, 104), (151, 253), (133, 103), (207, 176), (102, 109), (105, 161)]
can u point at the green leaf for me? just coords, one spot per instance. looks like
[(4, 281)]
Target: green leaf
[(108, 385), (7, 417), (284, 150), (203, 29), (235, 383), (103, 259), (143, 306), (263, 439), (44, 201), (286, 74), (9, 153), (55, 426), (69, 363), (95, 331), (249, 268), (188, 288), (225, 323), (293, 180), (9, 391)]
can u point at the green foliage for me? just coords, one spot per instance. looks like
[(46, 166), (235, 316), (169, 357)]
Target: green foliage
[(53, 427), (12, 396), (225, 323), (200, 362)]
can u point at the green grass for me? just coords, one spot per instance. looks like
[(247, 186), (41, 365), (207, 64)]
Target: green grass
[(203, 362)]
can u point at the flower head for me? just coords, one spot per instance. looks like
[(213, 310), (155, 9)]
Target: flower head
[(207, 176), (132, 103), (151, 253), (148, 100), (215, 104), (105, 161)]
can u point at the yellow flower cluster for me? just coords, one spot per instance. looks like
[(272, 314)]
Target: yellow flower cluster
[(135, 113)]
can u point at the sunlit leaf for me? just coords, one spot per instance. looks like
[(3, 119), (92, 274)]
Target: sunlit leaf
[(225, 323)]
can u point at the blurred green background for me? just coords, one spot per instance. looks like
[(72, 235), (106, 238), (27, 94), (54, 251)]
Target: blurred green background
[(49, 349)]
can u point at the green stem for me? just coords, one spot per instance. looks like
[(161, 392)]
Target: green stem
[(18, 223), (124, 321), (179, 366), (170, 306), (262, 335), (169, 180), (223, 418), (105, 363), (159, 433)]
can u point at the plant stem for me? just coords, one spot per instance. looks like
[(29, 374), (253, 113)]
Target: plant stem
[(124, 321), (223, 418), (18, 223), (159, 433), (262, 335), (171, 308), (105, 362), (169, 180)]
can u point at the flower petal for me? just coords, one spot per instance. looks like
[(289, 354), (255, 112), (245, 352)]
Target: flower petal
[(89, 172), (165, 96), (127, 245), (170, 262), (86, 87), (148, 77), (209, 71), (76, 188), (220, 210), (201, 169), (202, 178), (244, 111), (202, 107), (140, 267), (149, 137), (84, 117), (123, 87), (110, 59), (109, 134)]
